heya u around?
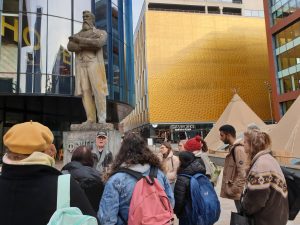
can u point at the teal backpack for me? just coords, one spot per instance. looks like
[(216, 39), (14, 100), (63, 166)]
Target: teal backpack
[(64, 214)]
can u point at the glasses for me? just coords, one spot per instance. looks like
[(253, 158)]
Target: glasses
[(101, 137)]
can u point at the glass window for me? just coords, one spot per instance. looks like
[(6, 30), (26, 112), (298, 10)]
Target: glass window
[(11, 6), (286, 84), (59, 58), (79, 7), (33, 48), (116, 66), (247, 12), (283, 62), (286, 105), (286, 10), (213, 9), (115, 2), (297, 81), (101, 14), (8, 53), (292, 6), (33, 5), (296, 29), (61, 8), (288, 35), (115, 22)]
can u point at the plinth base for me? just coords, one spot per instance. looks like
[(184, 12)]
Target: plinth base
[(85, 135)]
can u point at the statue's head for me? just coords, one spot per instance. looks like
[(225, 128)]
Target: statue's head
[(88, 20)]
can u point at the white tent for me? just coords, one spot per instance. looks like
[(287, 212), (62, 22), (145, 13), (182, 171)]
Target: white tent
[(239, 115), (286, 134)]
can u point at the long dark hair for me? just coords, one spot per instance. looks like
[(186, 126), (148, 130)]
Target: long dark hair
[(204, 145), (133, 151)]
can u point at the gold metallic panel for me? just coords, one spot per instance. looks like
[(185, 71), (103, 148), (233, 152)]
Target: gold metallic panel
[(196, 60)]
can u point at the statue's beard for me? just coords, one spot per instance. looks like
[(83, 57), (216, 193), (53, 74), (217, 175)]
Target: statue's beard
[(86, 26)]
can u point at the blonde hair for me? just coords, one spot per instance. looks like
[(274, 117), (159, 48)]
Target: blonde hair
[(257, 140)]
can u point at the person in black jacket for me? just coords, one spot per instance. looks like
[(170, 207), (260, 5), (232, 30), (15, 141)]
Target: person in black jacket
[(188, 165), (28, 183), (89, 179)]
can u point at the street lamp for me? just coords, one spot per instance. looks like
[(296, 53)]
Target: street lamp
[(269, 88)]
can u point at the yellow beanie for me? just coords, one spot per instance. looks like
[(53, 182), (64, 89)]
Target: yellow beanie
[(29, 137)]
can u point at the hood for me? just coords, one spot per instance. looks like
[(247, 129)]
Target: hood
[(193, 168), (138, 167), (81, 172)]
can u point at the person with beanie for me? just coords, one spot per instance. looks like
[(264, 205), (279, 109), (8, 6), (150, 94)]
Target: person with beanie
[(28, 183), (198, 146), (170, 162), (188, 165)]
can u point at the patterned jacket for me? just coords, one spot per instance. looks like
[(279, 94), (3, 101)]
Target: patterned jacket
[(266, 191)]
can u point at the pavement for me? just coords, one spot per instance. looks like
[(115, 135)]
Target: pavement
[(227, 205)]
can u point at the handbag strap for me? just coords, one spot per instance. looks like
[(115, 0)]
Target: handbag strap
[(63, 191)]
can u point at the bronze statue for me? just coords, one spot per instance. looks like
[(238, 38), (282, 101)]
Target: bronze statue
[(90, 80)]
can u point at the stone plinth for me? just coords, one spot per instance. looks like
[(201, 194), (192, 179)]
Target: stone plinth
[(86, 135)]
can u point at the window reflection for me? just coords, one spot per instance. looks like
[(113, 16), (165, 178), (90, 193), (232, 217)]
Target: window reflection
[(60, 8), (8, 52), (33, 51), (287, 8), (286, 84), (101, 14), (10, 6), (79, 7), (289, 58), (32, 5), (59, 58)]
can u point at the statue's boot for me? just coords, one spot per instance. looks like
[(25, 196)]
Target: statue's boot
[(87, 123)]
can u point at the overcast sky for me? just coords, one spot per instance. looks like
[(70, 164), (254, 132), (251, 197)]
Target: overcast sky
[(136, 10)]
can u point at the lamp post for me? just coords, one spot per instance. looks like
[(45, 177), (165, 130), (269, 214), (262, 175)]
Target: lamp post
[(269, 88)]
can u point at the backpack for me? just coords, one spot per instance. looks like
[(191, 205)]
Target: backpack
[(205, 207), (65, 214), (149, 203), (293, 186)]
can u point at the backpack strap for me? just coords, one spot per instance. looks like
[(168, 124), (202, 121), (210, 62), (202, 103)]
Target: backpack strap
[(135, 174), (63, 191), (185, 175), (153, 172), (233, 150)]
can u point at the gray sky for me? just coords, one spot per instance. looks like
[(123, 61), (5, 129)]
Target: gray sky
[(136, 10)]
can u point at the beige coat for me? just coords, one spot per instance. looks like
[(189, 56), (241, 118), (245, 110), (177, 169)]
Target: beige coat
[(94, 70), (171, 164), (235, 171)]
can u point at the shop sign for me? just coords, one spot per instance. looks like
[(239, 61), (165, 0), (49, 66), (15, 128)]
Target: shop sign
[(182, 127)]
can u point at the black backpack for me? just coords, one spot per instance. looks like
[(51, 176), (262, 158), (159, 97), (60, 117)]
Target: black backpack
[(293, 186)]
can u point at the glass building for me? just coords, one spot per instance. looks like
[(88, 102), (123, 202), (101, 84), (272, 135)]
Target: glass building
[(37, 71), (283, 33)]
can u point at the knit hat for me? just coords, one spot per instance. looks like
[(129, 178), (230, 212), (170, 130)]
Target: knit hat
[(186, 158), (26, 138), (193, 144)]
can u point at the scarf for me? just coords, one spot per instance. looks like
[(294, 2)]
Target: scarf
[(36, 158)]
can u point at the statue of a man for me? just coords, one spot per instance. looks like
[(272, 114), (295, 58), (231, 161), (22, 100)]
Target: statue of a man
[(90, 80)]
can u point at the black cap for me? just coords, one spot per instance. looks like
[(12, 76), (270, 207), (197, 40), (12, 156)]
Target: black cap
[(101, 133)]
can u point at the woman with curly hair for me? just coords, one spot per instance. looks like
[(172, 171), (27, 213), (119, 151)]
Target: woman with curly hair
[(134, 155), (265, 196)]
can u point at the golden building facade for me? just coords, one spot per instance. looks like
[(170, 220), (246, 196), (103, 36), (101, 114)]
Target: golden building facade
[(194, 63)]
